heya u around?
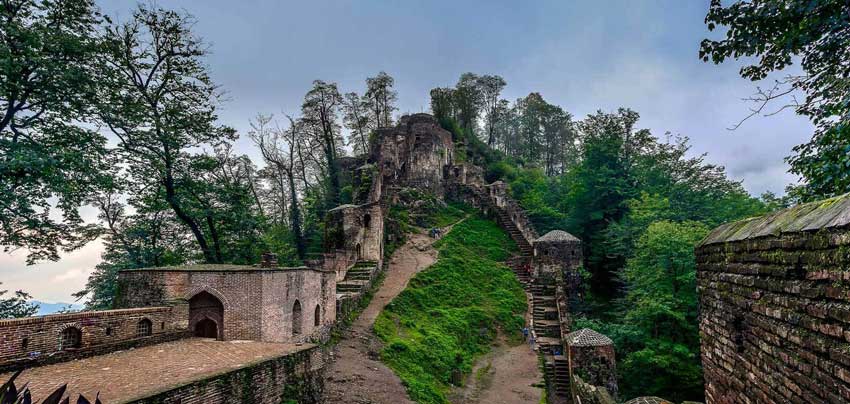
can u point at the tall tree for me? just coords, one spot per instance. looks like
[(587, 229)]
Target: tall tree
[(468, 101), (160, 102), (50, 161), (150, 237), (491, 87), (381, 98), (356, 117), (776, 34), (278, 147), (319, 111)]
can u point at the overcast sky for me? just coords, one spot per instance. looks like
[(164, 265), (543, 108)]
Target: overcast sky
[(582, 55)]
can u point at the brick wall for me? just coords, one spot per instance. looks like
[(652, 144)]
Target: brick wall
[(258, 303), (38, 340), (292, 378), (775, 307)]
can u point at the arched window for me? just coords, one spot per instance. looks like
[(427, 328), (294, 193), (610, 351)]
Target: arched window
[(296, 318), (317, 320), (367, 220), (144, 328), (71, 338)]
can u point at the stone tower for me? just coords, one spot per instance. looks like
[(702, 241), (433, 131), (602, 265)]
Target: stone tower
[(591, 357)]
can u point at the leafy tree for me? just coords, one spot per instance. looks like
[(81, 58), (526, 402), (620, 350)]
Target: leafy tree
[(776, 34), (278, 148), (150, 237), (356, 118), (159, 101), (50, 161), (661, 303), (468, 100), (319, 114), (380, 99), (491, 86), (16, 306), (602, 183)]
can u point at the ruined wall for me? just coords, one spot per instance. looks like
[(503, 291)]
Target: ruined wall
[(34, 341), (295, 378), (258, 303), (775, 307), (413, 154), (358, 229)]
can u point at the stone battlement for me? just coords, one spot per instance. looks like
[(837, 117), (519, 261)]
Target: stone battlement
[(775, 306)]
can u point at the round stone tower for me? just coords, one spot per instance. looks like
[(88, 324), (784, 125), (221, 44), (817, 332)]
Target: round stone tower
[(558, 251), (591, 355)]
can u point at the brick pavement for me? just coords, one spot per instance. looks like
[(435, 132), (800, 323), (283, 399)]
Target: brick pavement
[(137, 373)]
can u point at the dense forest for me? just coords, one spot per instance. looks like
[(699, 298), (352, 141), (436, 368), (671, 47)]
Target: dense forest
[(122, 116)]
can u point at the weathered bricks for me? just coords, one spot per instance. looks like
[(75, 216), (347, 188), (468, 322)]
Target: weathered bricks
[(774, 297)]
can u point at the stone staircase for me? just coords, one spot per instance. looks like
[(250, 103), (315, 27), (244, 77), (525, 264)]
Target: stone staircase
[(557, 370), (357, 278)]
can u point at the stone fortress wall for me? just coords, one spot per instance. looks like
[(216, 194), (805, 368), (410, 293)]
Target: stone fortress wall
[(775, 306)]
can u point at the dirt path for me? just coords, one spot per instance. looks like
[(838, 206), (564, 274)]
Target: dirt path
[(505, 375), (357, 375)]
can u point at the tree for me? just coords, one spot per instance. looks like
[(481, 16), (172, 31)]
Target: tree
[(662, 305), (602, 183), (442, 103), (159, 101), (356, 117), (16, 306), (381, 98), (468, 101), (150, 237), (278, 148), (491, 87), (319, 111), (776, 33), (50, 161)]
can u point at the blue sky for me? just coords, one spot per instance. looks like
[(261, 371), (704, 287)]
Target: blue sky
[(582, 55)]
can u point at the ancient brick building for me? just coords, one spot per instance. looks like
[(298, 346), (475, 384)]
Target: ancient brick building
[(775, 306), (237, 302)]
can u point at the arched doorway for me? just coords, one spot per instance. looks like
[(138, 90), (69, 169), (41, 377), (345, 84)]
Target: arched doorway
[(297, 318), (206, 328), (206, 316), (358, 251)]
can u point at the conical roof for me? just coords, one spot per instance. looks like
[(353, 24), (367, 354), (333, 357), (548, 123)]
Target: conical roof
[(587, 337), (648, 400), (557, 235)]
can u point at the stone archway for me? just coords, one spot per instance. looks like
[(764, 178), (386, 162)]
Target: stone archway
[(206, 316)]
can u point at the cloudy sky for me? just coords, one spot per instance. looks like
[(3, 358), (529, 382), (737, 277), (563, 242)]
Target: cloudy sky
[(582, 55)]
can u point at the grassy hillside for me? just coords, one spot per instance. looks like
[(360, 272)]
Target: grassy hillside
[(450, 313)]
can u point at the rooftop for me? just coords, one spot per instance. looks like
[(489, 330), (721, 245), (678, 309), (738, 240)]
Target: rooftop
[(812, 216), (138, 373), (557, 235), (587, 337), (648, 400), (215, 268)]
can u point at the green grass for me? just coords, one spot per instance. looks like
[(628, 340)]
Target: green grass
[(450, 313)]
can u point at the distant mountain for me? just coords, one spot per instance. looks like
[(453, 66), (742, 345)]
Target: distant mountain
[(50, 308)]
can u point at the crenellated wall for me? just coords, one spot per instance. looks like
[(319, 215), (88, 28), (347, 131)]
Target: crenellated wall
[(775, 306)]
